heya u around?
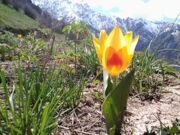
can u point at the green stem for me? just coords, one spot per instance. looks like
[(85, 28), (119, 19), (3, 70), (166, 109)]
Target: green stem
[(75, 57), (114, 79), (117, 131), (105, 81)]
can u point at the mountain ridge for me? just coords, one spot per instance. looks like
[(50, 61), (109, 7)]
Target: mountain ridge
[(165, 35), (60, 13)]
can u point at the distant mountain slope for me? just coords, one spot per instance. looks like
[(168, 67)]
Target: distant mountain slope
[(57, 13), (164, 35), (10, 18), (32, 11)]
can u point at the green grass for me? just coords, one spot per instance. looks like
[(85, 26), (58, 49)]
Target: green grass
[(37, 96), (10, 18)]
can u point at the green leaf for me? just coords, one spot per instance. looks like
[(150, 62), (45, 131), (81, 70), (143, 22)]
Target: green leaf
[(44, 118), (112, 130), (115, 103)]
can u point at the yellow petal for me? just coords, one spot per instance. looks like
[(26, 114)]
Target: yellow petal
[(96, 39), (128, 39), (115, 39), (102, 37), (98, 49), (126, 55), (128, 36), (115, 51), (126, 58), (133, 45)]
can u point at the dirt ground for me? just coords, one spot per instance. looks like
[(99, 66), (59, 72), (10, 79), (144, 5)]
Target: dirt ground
[(86, 119)]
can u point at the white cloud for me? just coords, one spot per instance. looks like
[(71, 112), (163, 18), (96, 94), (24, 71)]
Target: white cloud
[(151, 9)]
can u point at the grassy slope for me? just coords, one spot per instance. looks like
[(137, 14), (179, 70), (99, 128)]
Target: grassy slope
[(10, 18)]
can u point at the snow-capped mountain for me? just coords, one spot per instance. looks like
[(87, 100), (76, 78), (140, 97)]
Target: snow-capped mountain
[(76, 10), (79, 10), (166, 34)]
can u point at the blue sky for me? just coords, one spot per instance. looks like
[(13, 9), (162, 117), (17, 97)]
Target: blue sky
[(154, 10)]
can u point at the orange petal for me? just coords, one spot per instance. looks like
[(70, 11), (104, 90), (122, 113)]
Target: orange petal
[(113, 61)]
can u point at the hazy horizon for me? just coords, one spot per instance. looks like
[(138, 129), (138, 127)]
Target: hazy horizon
[(153, 10)]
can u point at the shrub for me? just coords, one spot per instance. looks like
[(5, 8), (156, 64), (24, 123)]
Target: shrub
[(8, 44), (80, 39), (151, 72), (8, 38)]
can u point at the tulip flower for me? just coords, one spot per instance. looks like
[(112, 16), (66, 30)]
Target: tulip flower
[(115, 51)]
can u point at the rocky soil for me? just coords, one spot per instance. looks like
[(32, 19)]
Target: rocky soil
[(86, 119)]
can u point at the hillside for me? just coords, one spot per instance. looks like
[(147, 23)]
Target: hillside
[(10, 18)]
